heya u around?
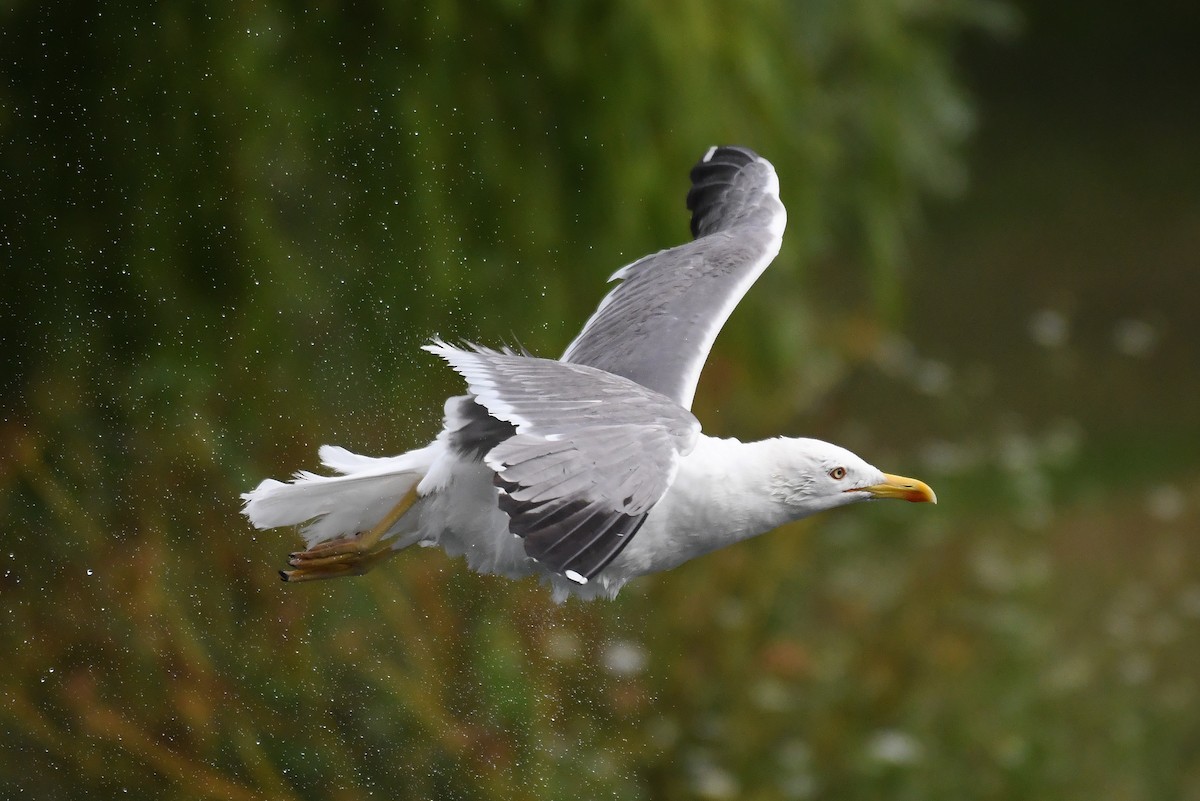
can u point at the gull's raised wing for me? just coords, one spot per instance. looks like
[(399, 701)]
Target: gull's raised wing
[(658, 324)]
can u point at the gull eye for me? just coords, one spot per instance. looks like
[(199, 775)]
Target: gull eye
[(837, 473)]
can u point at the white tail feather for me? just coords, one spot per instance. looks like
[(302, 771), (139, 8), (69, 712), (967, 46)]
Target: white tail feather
[(345, 462), (334, 506)]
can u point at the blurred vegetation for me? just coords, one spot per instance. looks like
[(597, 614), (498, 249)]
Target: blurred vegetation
[(225, 231)]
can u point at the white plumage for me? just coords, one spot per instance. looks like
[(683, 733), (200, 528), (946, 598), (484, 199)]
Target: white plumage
[(590, 470)]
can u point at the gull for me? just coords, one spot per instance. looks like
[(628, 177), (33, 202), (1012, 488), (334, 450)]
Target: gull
[(590, 470)]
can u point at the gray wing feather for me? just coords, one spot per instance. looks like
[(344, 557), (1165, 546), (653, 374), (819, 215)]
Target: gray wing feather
[(658, 324), (592, 453)]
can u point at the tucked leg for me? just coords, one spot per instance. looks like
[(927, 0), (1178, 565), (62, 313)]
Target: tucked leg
[(348, 556)]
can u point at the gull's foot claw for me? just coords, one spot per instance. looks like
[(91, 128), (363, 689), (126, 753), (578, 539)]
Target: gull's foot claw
[(348, 556), (336, 566)]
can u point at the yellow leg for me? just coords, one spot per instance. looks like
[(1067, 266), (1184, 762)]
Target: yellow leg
[(348, 556)]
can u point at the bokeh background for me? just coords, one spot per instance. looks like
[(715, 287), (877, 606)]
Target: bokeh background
[(226, 229)]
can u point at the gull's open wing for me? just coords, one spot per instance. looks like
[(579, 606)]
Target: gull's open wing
[(591, 454), (657, 325)]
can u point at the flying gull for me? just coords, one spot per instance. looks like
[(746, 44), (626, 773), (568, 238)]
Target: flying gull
[(590, 470)]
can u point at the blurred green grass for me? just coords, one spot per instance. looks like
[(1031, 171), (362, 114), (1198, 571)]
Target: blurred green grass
[(225, 237)]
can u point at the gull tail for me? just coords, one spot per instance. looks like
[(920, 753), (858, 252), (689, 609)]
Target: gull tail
[(330, 507)]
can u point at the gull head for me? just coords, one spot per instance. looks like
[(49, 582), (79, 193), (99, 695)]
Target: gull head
[(812, 476)]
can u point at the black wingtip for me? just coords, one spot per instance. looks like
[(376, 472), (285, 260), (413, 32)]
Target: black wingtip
[(283, 576), (711, 179), (735, 155)]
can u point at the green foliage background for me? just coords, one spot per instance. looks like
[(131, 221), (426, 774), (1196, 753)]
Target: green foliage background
[(225, 230)]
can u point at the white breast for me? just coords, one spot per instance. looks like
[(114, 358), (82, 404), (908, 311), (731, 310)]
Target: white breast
[(720, 496)]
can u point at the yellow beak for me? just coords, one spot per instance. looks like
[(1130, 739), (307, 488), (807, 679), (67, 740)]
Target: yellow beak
[(905, 489)]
